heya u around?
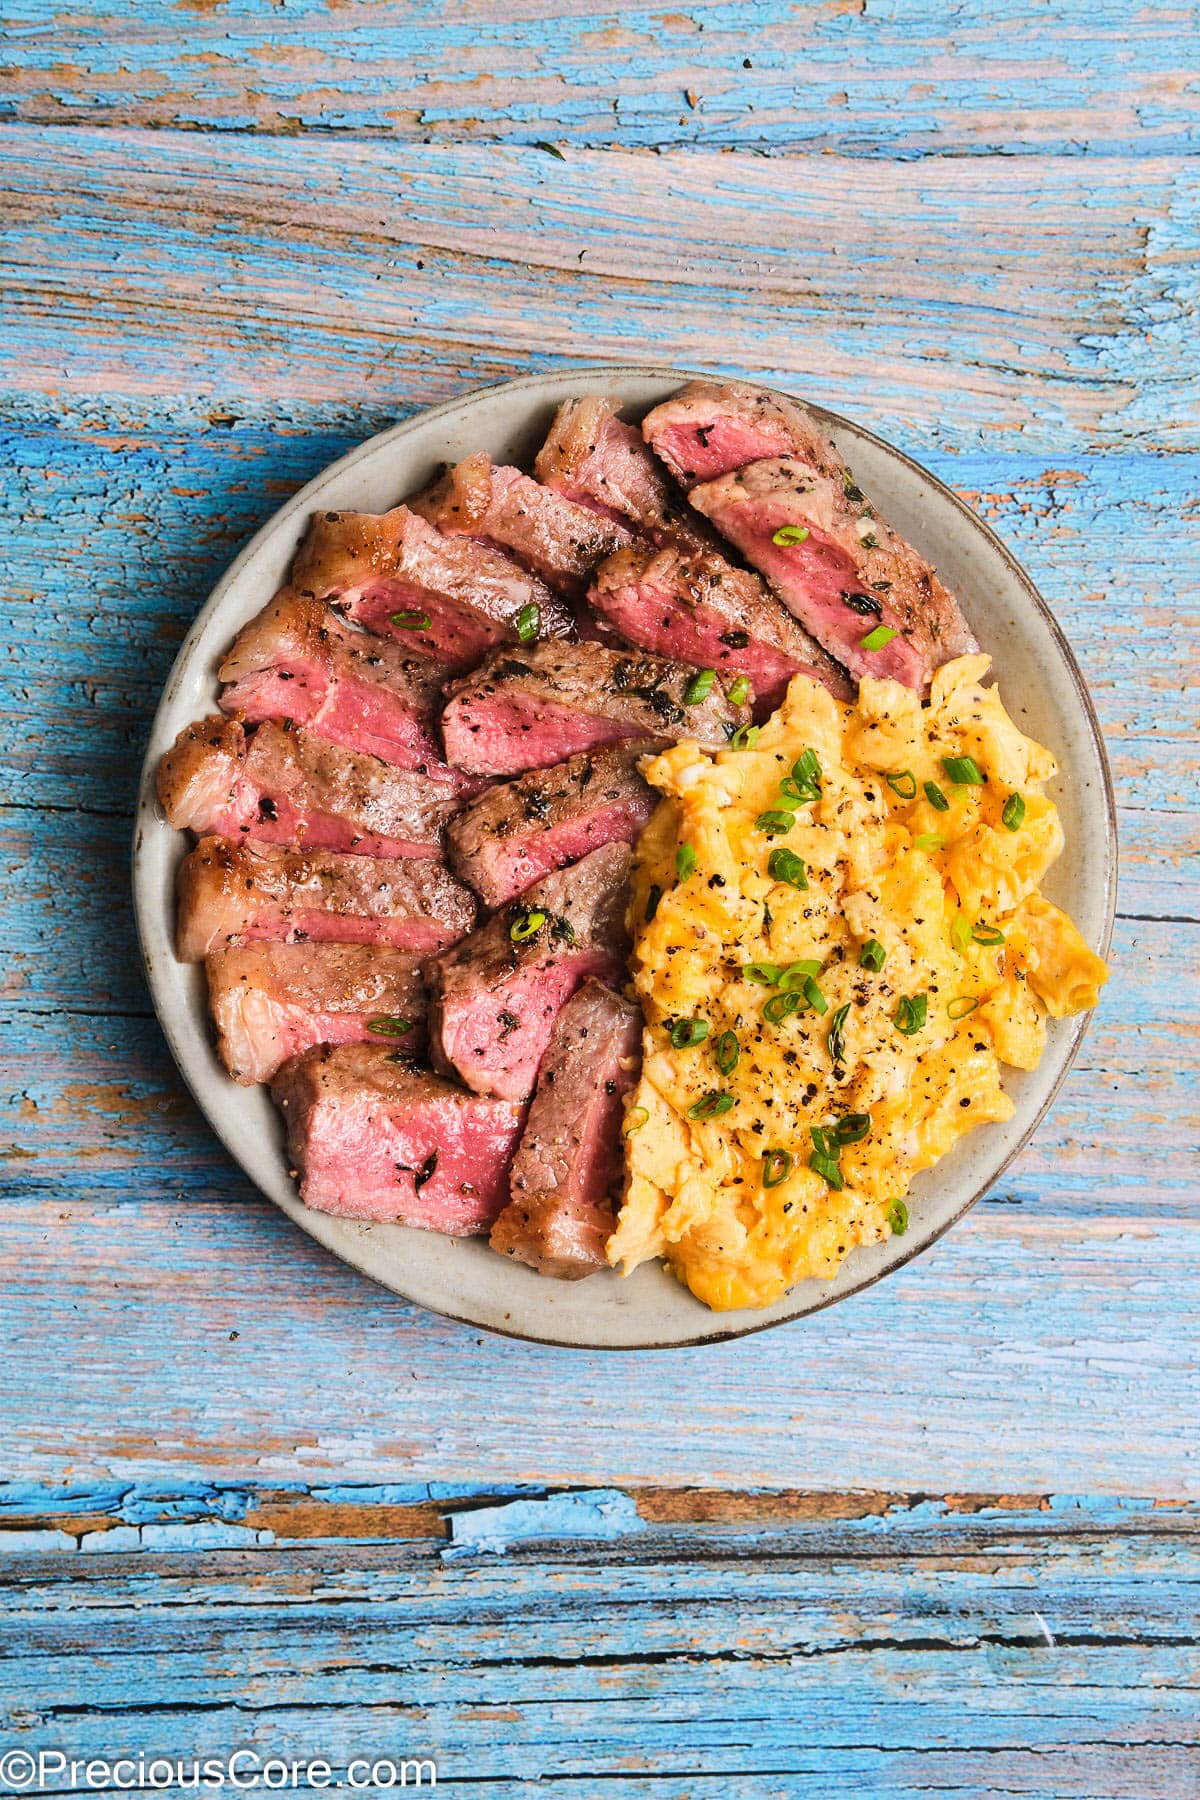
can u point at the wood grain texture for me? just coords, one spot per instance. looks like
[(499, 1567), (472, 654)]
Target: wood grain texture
[(870, 78)]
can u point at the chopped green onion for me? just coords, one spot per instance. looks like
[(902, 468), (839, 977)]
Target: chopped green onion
[(790, 788), (727, 1050), (961, 1006), (745, 737), (387, 1026), (685, 861), (935, 797), (877, 639), (807, 769), (635, 1118), (410, 621), (903, 783), (780, 1007), (960, 933), (820, 1140), (1013, 815), (963, 771), (785, 865), (897, 1218), (528, 622), (911, 1014), (796, 974), (837, 1035), (852, 1129), (777, 1166), (686, 1032), (739, 691), (827, 1168), (774, 821), (929, 841), (790, 534), (652, 900), (525, 926), (986, 934), (872, 955), (712, 1106), (813, 995), (699, 687), (765, 973)]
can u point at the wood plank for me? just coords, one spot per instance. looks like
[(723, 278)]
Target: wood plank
[(907, 80), (905, 1644), (152, 263)]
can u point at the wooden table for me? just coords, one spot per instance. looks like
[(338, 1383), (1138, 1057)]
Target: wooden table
[(942, 1538)]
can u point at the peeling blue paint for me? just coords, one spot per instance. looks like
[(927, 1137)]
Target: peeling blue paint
[(594, 1513)]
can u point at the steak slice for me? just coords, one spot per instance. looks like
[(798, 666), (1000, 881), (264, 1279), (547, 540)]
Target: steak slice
[(243, 893), (286, 786), (271, 1001), (371, 1137), (495, 997), (539, 706), (710, 428), (301, 660), (552, 535), (596, 459), (569, 1160), (453, 597), (520, 830), (699, 609)]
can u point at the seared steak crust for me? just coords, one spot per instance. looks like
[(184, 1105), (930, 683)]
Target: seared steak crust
[(710, 428), (569, 1160), (593, 456)]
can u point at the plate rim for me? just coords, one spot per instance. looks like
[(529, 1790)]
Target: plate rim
[(303, 500)]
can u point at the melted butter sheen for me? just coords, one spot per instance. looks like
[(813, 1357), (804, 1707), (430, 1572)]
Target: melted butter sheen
[(695, 1192)]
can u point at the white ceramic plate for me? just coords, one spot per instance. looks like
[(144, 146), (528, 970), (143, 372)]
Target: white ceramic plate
[(463, 1279)]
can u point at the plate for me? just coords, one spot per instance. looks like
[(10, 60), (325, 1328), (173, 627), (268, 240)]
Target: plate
[(462, 1278)]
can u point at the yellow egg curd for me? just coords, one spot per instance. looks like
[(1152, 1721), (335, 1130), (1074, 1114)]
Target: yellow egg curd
[(838, 941)]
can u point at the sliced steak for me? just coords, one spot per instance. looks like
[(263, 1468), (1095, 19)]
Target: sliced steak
[(596, 459), (272, 1001), (539, 706), (710, 428), (521, 830), (242, 893), (699, 609), (288, 786), (301, 660), (495, 997), (552, 535), (569, 1161), (371, 1137), (448, 597)]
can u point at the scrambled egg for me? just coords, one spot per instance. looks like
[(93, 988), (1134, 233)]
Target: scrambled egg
[(839, 939)]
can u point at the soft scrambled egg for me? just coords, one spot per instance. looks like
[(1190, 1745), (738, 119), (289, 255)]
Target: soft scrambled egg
[(838, 939)]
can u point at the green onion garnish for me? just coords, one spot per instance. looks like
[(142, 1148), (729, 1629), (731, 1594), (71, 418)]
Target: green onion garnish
[(790, 534), (961, 1006), (790, 788), (897, 1218), (827, 1168), (963, 771), (745, 737), (935, 797), (525, 926), (852, 1129), (712, 1106), (780, 1007), (727, 1050), (1013, 815), (807, 769), (699, 687), (929, 841), (785, 865), (986, 934), (528, 622), (387, 1026), (777, 1166), (796, 974), (813, 995), (877, 639), (836, 1040), (635, 1118), (911, 1013), (652, 900), (739, 691), (410, 621), (960, 933), (685, 861), (686, 1032), (774, 821), (872, 955), (902, 783), (766, 974), (820, 1140)]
